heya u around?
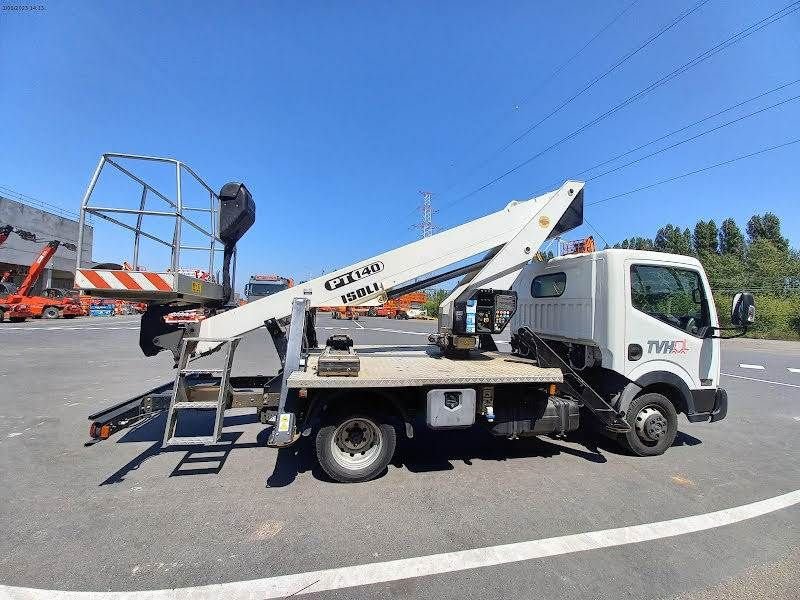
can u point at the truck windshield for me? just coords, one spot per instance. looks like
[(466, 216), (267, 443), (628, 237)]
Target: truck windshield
[(265, 288)]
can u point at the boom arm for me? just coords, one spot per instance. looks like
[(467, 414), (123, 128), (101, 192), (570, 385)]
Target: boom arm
[(511, 236), (38, 266)]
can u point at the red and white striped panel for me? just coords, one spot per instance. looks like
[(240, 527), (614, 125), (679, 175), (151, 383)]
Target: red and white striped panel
[(90, 279)]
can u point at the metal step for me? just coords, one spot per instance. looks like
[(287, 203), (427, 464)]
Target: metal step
[(185, 388), (199, 440), (204, 405)]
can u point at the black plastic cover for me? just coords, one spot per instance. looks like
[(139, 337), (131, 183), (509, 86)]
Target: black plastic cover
[(237, 212), (572, 217)]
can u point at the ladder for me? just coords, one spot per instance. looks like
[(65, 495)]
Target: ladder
[(186, 396)]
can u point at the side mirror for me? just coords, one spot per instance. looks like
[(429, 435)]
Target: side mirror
[(743, 310)]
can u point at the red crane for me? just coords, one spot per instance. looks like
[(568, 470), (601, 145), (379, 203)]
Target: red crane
[(15, 313), (40, 306)]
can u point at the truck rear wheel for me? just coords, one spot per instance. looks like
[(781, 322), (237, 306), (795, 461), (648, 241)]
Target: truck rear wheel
[(50, 312), (355, 448), (654, 425)]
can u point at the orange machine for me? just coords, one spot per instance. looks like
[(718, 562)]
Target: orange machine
[(398, 308), (41, 306), (15, 313)]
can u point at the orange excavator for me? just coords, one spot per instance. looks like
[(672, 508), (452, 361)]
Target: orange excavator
[(41, 306)]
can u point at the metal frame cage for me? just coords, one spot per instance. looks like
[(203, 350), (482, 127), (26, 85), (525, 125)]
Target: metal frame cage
[(179, 212)]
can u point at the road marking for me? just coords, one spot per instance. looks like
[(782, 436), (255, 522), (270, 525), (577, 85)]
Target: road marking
[(358, 324), (746, 366), (435, 564), (397, 331), (761, 380), (791, 370)]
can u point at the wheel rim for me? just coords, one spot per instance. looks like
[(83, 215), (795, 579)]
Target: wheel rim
[(356, 444), (651, 425)]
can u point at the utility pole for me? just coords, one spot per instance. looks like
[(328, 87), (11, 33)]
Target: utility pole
[(426, 226)]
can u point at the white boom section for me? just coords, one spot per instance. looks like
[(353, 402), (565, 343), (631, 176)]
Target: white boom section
[(368, 279), (502, 270)]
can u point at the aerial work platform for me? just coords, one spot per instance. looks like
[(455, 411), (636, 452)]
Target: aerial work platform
[(147, 286)]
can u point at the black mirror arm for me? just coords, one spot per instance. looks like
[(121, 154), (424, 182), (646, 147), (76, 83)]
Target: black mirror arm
[(709, 333)]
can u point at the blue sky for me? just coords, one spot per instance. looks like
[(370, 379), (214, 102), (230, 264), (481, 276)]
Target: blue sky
[(337, 114)]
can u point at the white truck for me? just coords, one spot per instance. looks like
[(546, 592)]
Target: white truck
[(626, 340)]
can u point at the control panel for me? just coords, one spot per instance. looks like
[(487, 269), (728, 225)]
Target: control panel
[(488, 311)]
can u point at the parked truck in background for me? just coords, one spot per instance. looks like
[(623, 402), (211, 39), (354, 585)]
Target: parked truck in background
[(261, 286)]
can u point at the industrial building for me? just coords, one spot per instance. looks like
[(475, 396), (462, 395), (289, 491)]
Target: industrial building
[(16, 254)]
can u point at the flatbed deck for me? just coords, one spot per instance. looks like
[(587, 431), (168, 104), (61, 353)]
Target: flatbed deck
[(431, 368)]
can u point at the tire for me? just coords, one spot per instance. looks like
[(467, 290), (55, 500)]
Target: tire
[(654, 425), (2, 315), (50, 312), (355, 467), (17, 319)]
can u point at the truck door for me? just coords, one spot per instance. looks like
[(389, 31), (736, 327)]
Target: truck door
[(667, 315)]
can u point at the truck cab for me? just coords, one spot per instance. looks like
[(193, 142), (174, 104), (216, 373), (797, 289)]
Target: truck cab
[(632, 323)]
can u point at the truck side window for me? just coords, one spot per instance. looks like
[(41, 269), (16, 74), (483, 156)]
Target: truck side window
[(550, 285), (674, 296)]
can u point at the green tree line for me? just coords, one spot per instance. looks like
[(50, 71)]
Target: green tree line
[(759, 260)]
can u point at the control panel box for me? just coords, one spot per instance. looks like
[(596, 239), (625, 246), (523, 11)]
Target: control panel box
[(487, 312)]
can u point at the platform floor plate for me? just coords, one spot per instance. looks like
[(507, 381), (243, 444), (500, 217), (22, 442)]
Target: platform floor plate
[(402, 370)]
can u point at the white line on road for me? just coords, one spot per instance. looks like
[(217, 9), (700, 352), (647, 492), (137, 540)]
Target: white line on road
[(435, 564), (358, 324), (761, 380), (746, 366), (396, 331), (791, 370)]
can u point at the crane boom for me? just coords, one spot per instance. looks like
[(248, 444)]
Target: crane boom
[(510, 236), (37, 266)]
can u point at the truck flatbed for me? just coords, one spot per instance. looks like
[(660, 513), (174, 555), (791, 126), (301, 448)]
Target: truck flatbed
[(431, 368)]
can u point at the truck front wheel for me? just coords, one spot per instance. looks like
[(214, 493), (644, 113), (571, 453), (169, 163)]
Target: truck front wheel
[(654, 425), (355, 448)]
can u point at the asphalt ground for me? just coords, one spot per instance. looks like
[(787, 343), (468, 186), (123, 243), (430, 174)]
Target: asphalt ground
[(124, 515)]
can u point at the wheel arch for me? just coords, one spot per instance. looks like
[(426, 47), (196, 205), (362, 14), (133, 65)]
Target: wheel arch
[(390, 403), (666, 383)]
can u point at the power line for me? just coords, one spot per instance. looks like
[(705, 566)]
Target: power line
[(695, 172), (692, 138), (673, 132), (547, 79), (685, 127), (702, 57), (597, 231), (602, 76), (31, 200)]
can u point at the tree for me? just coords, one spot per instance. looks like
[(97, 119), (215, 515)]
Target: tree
[(670, 238), (434, 300), (755, 228), (772, 231), (731, 240), (706, 238)]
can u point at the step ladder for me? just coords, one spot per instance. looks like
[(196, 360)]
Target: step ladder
[(188, 397)]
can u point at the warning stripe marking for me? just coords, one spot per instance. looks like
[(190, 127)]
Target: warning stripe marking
[(96, 280), (127, 280), (157, 281), (124, 280)]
